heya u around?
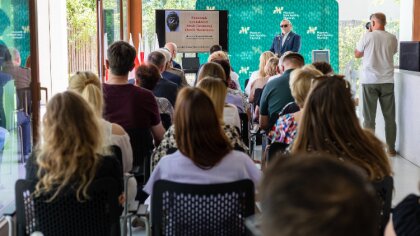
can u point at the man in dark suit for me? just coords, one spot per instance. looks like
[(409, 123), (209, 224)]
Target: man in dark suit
[(173, 49), (286, 41)]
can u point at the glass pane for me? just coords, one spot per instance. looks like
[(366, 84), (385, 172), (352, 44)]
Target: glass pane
[(15, 76), (112, 21)]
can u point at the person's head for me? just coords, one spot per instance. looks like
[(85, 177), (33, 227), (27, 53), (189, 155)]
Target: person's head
[(88, 85), (378, 21), (168, 57), (263, 61), (324, 67), (226, 68), (199, 134), (211, 69), (158, 59), (292, 61), (71, 141), (272, 66), (218, 55), (15, 57), (5, 55), (316, 195), (215, 48), (281, 61), (285, 26), (120, 58), (301, 82), (217, 90), (172, 48), (329, 124), (147, 76)]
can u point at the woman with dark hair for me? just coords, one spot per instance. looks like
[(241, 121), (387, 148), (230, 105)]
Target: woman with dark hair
[(205, 155), (329, 124)]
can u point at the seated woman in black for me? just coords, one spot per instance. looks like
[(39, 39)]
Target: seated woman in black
[(68, 157)]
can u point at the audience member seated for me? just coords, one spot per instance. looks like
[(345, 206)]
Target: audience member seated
[(324, 67), (12, 66), (280, 68), (217, 90), (260, 73), (173, 49), (215, 48), (405, 218), (164, 88), (131, 107), (285, 128), (306, 195), (329, 124), (233, 77), (258, 85), (216, 70), (68, 156), (172, 76), (87, 84), (147, 77), (205, 155), (169, 143), (234, 92), (174, 67), (277, 92)]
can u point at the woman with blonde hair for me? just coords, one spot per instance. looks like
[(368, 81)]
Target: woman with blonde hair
[(169, 144), (260, 73), (231, 76), (88, 86), (68, 156), (217, 91), (286, 126), (205, 155), (329, 124)]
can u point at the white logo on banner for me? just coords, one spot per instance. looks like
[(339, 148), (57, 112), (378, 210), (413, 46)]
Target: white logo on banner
[(311, 30), (257, 9), (256, 50), (210, 8), (244, 30), (278, 10), (244, 70)]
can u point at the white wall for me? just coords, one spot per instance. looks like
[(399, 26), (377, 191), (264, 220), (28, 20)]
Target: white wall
[(52, 44), (406, 20)]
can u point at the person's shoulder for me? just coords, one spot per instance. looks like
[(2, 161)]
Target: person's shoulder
[(117, 129), (237, 156)]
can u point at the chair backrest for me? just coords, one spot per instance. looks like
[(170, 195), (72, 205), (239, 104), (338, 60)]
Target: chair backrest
[(244, 127), (142, 144), (166, 120), (116, 151), (193, 209), (65, 215), (383, 191)]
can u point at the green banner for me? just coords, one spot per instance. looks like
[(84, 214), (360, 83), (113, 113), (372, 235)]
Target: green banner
[(254, 23)]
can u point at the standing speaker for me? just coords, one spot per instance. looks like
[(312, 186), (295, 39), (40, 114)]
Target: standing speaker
[(410, 56)]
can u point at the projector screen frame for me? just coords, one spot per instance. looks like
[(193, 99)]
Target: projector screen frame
[(223, 27)]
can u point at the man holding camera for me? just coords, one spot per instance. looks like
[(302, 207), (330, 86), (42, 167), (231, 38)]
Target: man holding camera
[(378, 49), (286, 41)]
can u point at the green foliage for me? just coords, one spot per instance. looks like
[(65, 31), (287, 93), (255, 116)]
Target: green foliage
[(81, 17), (149, 7)]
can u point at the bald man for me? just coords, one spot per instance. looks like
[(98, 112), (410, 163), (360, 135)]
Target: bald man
[(173, 67), (173, 49), (286, 41)]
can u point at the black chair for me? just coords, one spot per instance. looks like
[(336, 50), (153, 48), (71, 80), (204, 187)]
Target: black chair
[(384, 189), (166, 120), (65, 215), (244, 127), (274, 149), (192, 209), (142, 144)]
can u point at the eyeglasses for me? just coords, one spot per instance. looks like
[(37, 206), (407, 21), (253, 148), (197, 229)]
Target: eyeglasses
[(284, 26)]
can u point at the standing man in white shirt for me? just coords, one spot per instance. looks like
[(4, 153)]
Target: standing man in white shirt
[(378, 49)]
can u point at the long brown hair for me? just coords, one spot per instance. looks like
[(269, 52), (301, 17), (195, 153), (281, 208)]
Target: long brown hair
[(329, 123), (198, 132), (72, 139)]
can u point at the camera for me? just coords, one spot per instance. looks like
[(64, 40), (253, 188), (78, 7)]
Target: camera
[(368, 25)]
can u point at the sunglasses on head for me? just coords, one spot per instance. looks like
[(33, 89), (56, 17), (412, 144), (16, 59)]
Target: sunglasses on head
[(284, 26)]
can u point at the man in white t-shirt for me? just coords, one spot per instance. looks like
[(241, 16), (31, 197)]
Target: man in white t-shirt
[(378, 49)]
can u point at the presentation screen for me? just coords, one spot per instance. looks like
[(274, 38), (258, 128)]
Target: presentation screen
[(192, 31)]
